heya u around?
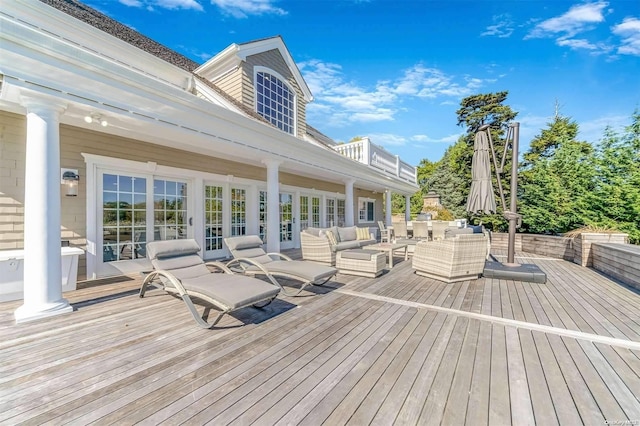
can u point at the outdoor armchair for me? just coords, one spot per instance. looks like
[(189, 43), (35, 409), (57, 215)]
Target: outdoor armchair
[(385, 233), (179, 270), (400, 229), (452, 259), (420, 230), (250, 258)]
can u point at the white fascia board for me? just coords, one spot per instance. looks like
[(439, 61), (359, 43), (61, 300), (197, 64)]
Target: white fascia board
[(38, 16), (221, 64)]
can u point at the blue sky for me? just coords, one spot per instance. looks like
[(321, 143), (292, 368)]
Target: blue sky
[(396, 70)]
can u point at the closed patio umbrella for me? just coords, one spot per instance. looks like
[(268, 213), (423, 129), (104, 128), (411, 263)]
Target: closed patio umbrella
[(481, 196)]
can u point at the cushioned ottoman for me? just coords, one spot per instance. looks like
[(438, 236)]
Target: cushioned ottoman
[(366, 263)]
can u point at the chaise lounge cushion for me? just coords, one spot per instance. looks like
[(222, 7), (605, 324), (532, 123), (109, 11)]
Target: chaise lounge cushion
[(232, 290)]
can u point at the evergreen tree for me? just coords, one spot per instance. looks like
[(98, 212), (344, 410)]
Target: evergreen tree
[(475, 111), (557, 179), (618, 191)]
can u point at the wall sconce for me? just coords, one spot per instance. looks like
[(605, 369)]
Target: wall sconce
[(70, 179), (96, 118)]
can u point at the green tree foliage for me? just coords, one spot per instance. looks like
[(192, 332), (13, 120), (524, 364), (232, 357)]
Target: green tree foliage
[(556, 180), (617, 194), (446, 180), (474, 111)]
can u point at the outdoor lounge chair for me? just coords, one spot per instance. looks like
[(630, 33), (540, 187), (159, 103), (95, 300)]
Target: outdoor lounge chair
[(180, 271), (250, 258)]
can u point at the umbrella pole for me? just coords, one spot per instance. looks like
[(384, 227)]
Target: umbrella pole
[(513, 218)]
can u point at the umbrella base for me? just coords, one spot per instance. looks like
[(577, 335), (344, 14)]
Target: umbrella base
[(525, 272)]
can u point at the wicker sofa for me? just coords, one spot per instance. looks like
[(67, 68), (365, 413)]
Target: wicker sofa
[(316, 246), (459, 258)]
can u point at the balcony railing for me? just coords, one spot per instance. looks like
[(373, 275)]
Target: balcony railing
[(366, 152)]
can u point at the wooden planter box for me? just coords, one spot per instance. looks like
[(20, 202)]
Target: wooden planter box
[(583, 254), (621, 261)]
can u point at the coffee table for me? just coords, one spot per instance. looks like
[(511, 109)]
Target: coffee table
[(389, 248)]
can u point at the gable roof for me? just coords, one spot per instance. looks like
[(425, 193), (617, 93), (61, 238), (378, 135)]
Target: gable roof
[(231, 57), (110, 26)]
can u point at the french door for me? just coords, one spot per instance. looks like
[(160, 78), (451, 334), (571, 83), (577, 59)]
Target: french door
[(135, 209), (287, 225)]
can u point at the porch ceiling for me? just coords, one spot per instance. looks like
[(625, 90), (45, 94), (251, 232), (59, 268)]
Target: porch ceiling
[(157, 110)]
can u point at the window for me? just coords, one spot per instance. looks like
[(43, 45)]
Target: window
[(263, 216), (213, 217), (331, 211), (275, 101), (124, 210), (169, 209), (238, 211), (366, 210), (304, 212), (341, 213), (315, 212)]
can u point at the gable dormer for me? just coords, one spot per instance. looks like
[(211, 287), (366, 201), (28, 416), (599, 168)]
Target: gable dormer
[(262, 76)]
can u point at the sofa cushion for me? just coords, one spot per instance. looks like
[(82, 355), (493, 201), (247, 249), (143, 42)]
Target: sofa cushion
[(344, 245), (452, 232), (363, 234), (313, 231), (357, 254), (363, 243), (348, 233)]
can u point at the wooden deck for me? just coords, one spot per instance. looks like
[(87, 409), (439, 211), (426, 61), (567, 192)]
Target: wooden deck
[(399, 349)]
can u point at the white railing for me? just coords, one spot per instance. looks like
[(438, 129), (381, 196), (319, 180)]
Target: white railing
[(366, 152)]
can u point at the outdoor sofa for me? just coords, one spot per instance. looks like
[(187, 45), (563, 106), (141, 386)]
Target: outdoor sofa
[(321, 244)]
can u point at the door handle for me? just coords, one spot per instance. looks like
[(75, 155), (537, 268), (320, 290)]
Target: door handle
[(191, 221)]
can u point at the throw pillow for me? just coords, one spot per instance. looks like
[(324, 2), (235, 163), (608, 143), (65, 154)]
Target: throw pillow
[(331, 237), (348, 233), (363, 233)]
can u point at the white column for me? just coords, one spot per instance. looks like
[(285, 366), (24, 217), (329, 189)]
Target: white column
[(42, 251), (273, 206), (349, 216), (387, 202), (407, 208)]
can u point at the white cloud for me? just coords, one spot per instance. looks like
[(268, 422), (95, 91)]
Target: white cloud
[(165, 4), (338, 102), (578, 19), (449, 139), (593, 130), (244, 8), (502, 27), (387, 139), (629, 30)]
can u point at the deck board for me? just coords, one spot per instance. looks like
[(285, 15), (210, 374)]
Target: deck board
[(335, 356)]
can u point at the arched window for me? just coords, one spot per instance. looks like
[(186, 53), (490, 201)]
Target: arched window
[(275, 101)]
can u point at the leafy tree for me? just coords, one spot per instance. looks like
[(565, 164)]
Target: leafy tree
[(447, 182), (487, 108), (475, 111), (557, 180)]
